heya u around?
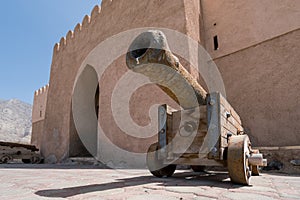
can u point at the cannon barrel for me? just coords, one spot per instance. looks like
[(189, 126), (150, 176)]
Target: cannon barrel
[(149, 54)]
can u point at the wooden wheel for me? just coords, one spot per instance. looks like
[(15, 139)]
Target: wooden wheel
[(238, 154), (35, 160), (5, 159), (156, 166)]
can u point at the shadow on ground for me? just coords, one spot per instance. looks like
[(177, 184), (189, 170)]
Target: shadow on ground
[(185, 179)]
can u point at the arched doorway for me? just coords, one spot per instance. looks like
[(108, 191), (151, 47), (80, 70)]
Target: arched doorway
[(97, 95), (85, 110)]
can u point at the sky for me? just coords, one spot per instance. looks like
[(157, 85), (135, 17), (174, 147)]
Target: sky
[(29, 30)]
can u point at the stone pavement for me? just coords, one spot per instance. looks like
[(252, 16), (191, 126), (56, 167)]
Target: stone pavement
[(87, 182)]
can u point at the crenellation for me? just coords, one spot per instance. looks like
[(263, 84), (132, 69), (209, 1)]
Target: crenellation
[(63, 42), (77, 29), (39, 104), (41, 90), (69, 36), (56, 48), (95, 12), (44, 89), (86, 21), (85, 24)]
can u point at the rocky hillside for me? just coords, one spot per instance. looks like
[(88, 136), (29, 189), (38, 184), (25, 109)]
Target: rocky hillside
[(15, 121)]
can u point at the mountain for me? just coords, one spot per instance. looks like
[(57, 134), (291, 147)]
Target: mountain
[(15, 121)]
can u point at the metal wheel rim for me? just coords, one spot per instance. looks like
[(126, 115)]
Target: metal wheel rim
[(238, 153)]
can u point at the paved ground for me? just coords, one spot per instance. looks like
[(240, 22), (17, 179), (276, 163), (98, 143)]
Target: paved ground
[(75, 182)]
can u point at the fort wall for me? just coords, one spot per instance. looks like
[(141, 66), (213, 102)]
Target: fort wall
[(240, 24), (38, 114), (113, 17), (262, 82)]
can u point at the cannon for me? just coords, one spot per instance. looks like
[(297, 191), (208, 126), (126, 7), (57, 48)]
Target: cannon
[(27, 153), (207, 131)]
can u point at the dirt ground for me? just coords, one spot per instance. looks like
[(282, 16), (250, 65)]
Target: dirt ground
[(19, 181)]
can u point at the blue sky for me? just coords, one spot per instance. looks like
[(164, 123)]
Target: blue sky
[(29, 30)]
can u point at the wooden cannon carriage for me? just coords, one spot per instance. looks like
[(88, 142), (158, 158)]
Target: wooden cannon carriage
[(27, 153), (217, 140), (206, 132)]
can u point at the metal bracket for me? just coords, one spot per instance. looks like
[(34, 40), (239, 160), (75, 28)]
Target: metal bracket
[(162, 128)]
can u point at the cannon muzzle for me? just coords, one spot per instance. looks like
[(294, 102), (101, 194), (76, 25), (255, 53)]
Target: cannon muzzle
[(149, 54)]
